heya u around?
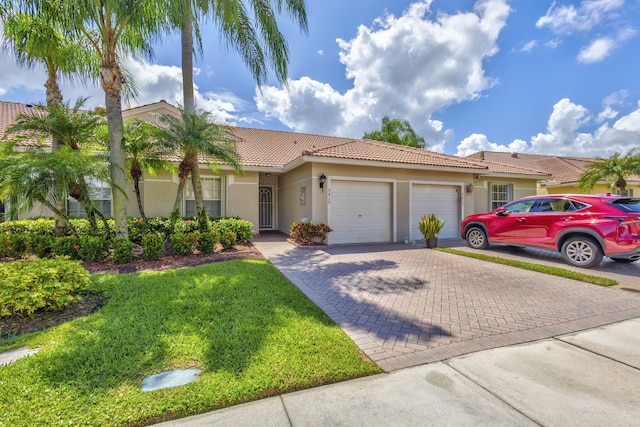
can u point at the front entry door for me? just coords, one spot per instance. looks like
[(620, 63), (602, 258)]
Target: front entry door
[(265, 206)]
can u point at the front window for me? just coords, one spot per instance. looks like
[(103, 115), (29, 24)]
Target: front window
[(212, 196), (500, 195), (100, 193)]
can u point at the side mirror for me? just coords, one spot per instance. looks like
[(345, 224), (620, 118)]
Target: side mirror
[(501, 212)]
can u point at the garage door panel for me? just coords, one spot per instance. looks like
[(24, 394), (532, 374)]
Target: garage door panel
[(443, 201), (360, 212)]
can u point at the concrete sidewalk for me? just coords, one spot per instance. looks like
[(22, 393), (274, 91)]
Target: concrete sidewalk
[(588, 378)]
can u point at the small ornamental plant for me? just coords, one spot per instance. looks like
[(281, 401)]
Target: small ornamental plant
[(66, 246), (184, 243), (12, 245), (93, 248), (152, 245), (207, 242), (30, 285), (122, 251), (305, 233)]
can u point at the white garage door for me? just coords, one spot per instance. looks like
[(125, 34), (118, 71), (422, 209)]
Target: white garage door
[(441, 200), (360, 212)]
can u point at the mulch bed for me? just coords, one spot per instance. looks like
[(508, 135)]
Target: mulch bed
[(42, 319)]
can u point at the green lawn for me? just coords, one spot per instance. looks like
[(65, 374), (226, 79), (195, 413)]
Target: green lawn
[(251, 331)]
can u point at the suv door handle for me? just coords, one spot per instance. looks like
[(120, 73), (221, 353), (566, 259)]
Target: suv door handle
[(521, 220), (568, 218)]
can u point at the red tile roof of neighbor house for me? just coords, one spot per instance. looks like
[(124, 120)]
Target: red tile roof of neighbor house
[(261, 148), (563, 169)]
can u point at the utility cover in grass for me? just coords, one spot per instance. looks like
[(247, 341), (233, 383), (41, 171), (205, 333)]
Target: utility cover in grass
[(17, 354), (170, 379)]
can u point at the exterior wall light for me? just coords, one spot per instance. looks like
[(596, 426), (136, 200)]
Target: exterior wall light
[(469, 188), (323, 179)]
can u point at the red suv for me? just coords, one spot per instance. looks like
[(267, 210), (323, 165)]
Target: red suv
[(583, 228)]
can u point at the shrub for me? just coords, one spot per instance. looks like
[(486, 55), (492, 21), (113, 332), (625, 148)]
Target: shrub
[(305, 233), (93, 248), (152, 245), (12, 245), (242, 228), (39, 245), (184, 243), (207, 242), (66, 246), (122, 251), (29, 285)]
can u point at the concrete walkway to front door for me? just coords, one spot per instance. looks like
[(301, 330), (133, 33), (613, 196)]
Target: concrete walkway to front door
[(406, 305)]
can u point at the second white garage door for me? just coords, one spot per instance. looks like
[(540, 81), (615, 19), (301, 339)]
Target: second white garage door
[(443, 200), (360, 212)]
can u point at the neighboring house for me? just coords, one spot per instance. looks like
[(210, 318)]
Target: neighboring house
[(366, 191), (565, 172)]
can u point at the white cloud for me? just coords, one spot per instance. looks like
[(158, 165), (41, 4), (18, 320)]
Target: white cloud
[(569, 19), (479, 142), (529, 46), (602, 47), (405, 67), (596, 51), (564, 134)]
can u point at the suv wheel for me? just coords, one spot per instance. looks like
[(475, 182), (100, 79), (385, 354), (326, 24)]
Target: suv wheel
[(476, 238), (581, 251)]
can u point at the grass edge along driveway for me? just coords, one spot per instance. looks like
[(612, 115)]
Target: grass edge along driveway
[(540, 268), (251, 331)]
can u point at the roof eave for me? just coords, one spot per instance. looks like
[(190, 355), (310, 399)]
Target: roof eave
[(374, 163)]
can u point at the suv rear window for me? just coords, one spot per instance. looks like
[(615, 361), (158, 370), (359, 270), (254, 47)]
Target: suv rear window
[(627, 205)]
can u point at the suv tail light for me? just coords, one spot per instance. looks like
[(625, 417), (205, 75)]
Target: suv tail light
[(629, 226)]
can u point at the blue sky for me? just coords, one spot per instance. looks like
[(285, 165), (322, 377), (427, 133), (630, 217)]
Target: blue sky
[(549, 77)]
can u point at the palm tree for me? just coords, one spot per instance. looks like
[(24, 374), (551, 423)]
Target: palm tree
[(257, 40), (143, 154), (113, 29), (38, 176), (614, 170), (192, 134), (76, 130), (34, 41)]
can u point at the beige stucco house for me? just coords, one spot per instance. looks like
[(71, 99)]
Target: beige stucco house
[(565, 172), (366, 191)]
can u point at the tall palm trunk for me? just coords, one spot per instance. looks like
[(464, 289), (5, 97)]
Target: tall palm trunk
[(184, 169), (54, 99), (111, 76), (186, 37), (136, 174)]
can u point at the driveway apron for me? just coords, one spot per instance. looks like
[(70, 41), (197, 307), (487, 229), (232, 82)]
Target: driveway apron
[(405, 305)]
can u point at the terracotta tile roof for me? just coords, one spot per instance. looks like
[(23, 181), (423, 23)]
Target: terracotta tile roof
[(9, 112), (261, 148), (563, 169)]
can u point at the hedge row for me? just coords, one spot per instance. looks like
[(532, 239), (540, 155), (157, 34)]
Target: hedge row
[(35, 237)]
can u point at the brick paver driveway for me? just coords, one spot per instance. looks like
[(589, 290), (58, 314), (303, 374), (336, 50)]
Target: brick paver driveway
[(405, 305)]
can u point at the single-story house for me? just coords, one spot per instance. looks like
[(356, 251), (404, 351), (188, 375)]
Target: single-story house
[(366, 191), (565, 172)]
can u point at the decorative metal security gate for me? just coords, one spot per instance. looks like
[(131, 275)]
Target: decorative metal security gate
[(265, 206)]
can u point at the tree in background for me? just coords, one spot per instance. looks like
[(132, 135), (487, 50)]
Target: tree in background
[(397, 131), (614, 170)]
